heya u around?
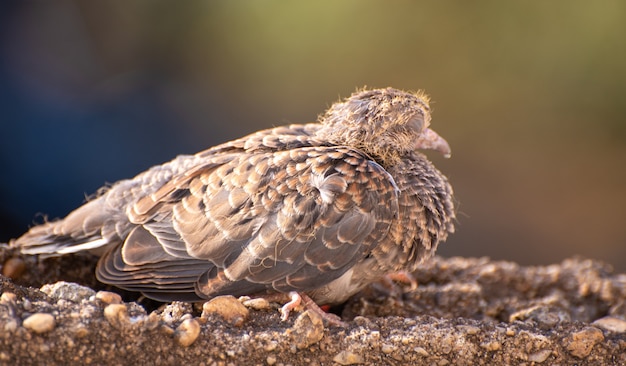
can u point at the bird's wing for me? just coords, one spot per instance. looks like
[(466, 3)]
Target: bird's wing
[(246, 221), (103, 222)]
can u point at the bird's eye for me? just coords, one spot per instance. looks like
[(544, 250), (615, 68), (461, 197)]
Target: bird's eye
[(416, 123)]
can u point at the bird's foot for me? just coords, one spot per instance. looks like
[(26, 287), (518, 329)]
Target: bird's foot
[(402, 277), (393, 284), (295, 301), (298, 299)]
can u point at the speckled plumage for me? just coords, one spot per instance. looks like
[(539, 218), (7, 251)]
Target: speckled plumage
[(322, 208)]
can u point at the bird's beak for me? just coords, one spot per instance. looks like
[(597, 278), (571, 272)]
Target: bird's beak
[(429, 139)]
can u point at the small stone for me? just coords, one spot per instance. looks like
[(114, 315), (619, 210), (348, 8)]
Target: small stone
[(387, 348), (8, 298), (27, 305), (167, 330), (308, 329), (257, 304), (80, 331), (10, 326), (539, 356), (228, 308), (117, 315), (67, 291), (421, 351), (108, 297), (348, 358), (40, 322), (270, 346), (152, 321), (362, 321), (271, 360), (13, 268), (611, 323), (187, 332), (581, 343), (469, 329), (175, 311), (491, 346)]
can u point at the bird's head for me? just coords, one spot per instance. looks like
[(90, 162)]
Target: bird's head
[(384, 123)]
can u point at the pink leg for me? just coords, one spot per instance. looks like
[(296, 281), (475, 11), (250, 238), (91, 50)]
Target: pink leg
[(295, 301), (309, 304), (402, 277)]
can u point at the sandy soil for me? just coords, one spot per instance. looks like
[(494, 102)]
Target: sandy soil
[(465, 311)]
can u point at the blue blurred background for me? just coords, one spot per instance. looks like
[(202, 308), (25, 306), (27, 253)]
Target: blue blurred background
[(530, 95)]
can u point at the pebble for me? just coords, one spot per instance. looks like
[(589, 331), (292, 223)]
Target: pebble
[(228, 308), (39, 322), (387, 348), (152, 321), (13, 268), (469, 329), (581, 343), (491, 346), (348, 358), (27, 305), (308, 329), (67, 291), (270, 346), (187, 332), (117, 315), (539, 356), (167, 330), (8, 298), (257, 304), (271, 360), (80, 331), (611, 323), (108, 297), (175, 311), (10, 326)]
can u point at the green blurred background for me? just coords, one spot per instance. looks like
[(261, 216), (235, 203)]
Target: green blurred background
[(530, 95)]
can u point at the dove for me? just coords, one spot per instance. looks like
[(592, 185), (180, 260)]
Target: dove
[(317, 210)]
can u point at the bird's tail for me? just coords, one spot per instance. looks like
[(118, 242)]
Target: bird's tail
[(84, 229)]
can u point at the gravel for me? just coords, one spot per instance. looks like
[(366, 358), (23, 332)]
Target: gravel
[(465, 311)]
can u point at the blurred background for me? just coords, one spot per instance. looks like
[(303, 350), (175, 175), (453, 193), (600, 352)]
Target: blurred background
[(530, 95)]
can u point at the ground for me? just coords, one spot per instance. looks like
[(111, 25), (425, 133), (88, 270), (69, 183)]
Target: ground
[(464, 311)]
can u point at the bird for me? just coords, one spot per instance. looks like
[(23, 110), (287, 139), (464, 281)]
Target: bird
[(316, 210)]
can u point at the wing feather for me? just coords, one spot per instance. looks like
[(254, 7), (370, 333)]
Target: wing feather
[(243, 221)]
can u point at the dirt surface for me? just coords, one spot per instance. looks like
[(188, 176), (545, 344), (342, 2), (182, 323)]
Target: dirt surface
[(465, 311)]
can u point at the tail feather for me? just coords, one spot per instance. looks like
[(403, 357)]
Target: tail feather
[(81, 230)]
